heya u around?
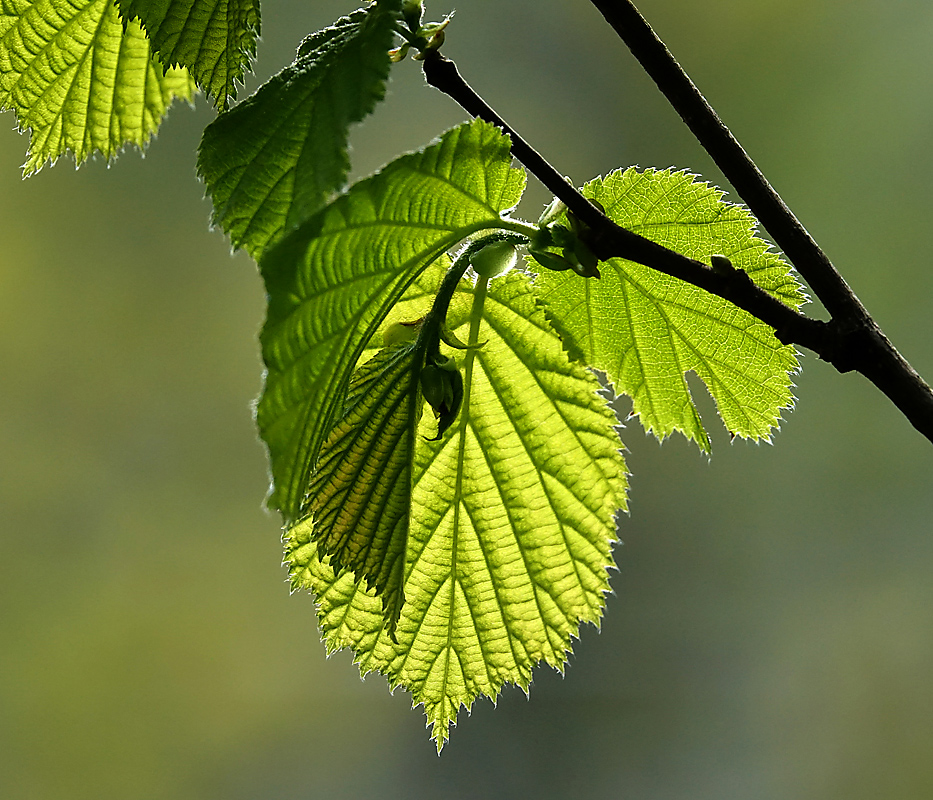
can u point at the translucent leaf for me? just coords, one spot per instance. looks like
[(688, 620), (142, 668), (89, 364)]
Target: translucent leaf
[(276, 158), (647, 330), (213, 39), (512, 525), (360, 492), (331, 282), (78, 82)]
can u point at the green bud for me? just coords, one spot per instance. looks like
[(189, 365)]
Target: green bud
[(412, 12), (586, 259), (399, 332), (494, 259), (550, 261), (442, 387)]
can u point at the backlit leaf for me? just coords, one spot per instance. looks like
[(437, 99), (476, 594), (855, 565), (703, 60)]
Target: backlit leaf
[(647, 330), (331, 282), (512, 525), (77, 82), (276, 158), (360, 493), (213, 39)]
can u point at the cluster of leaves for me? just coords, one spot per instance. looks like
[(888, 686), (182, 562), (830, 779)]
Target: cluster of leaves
[(451, 552)]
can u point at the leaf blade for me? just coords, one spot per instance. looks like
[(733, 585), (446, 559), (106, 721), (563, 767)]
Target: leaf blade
[(360, 493), (647, 330), (333, 280), (501, 572), (78, 81), (274, 160), (214, 39)]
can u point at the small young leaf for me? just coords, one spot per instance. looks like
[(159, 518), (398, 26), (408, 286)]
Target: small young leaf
[(276, 158), (332, 281), (78, 82), (213, 39), (647, 330), (512, 525), (359, 497)]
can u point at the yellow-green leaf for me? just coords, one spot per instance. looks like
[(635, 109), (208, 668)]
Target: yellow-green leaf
[(78, 82), (512, 524), (648, 330)]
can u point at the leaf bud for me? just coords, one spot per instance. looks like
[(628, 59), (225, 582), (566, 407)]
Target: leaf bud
[(412, 12), (494, 259), (550, 261), (400, 332), (442, 387)]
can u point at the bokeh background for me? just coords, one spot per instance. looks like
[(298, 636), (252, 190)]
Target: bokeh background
[(771, 630)]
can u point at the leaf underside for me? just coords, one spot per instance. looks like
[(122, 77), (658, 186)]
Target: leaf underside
[(78, 82), (331, 282), (647, 330), (360, 492), (214, 39), (512, 523), (276, 158)]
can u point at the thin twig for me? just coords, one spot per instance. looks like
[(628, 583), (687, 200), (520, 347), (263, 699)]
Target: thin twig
[(710, 131)]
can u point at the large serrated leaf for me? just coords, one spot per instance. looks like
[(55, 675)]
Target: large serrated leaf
[(213, 39), (277, 157), (78, 82), (647, 330), (511, 528), (331, 282)]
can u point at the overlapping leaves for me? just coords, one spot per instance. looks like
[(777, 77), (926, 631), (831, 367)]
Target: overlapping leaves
[(331, 282), (272, 161), (360, 492), (647, 330), (213, 39), (78, 82), (511, 527)]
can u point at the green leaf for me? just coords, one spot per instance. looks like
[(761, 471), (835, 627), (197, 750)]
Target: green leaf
[(512, 525), (78, 82), (331, 282), (647, 330), (275, 159), (360, 493), (213, 39)]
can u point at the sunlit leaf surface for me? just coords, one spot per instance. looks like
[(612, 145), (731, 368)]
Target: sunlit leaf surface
[(78, 82), (647, 330)]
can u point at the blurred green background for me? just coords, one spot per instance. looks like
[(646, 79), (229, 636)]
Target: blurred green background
[(771, 631)]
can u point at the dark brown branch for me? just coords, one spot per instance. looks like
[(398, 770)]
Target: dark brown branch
[(852, 342)]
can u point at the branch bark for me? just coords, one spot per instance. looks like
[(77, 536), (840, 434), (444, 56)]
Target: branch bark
[(849, 341)]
